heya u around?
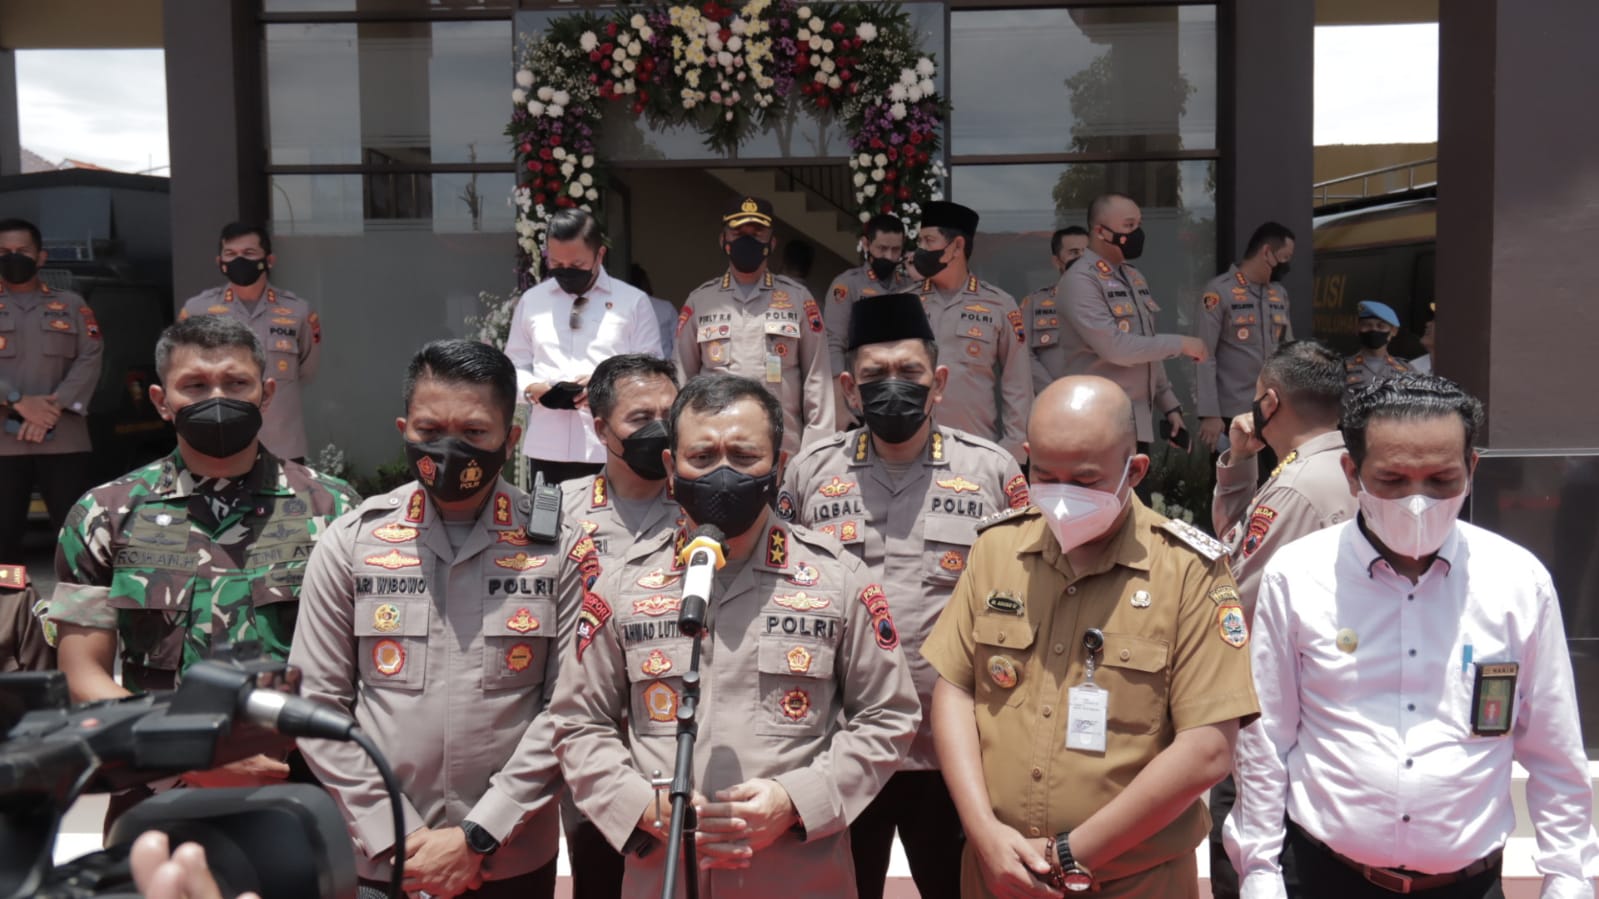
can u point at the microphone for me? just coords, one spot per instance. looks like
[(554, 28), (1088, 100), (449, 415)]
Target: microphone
[(296, 716), (702, 555)]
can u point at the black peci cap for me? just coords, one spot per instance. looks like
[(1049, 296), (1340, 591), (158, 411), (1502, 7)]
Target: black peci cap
[(887, 318)]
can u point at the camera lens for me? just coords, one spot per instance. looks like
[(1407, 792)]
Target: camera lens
[(1093, 640)]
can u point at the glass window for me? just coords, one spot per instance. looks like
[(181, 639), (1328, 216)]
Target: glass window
[(1100, 80), (455, 202), (375, 93), (380, 7)]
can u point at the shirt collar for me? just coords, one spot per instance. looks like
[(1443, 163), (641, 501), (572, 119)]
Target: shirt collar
[(1367, 555), (265, 477), (858, 445), (1332, 440)]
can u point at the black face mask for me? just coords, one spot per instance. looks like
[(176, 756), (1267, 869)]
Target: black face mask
[(218, 426), (641, 450), (1373, 340), (747, 253), (928, 263), (894, 409), (1279, 271), (1259, 418), (242, 271), (727, 498), (574, 280), (451, 469), (1131, 243), (16, 268), (883, 269)]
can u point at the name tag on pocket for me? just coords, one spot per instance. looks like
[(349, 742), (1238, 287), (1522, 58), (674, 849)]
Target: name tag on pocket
[(1085, 720)]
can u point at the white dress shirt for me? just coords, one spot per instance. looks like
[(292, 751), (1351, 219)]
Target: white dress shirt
[(1371, 750), (666, 314), (544, 346)]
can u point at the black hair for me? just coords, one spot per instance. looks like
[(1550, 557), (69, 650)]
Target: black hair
[(464, 362), (1271, 234), (930, 345), (1308, 376), (638, 277), (207, 332), (880, 223), (1408, 395), (236, 230), (1096, 209), (798, 257), (573, 223), (23, 225), (715, 392), (602, 384), (1063, 233), (951, 233)]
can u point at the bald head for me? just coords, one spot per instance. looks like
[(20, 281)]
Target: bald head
[(1082, 429), (1112, 211)]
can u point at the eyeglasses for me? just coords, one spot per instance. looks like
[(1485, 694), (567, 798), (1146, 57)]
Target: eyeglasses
[(576, 319)]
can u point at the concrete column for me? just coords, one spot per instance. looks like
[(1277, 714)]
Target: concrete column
[(1267, 69), (215, 127), (1518, 215), (10, 131)]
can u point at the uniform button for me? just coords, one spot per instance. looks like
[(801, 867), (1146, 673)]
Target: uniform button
[(1410, 763), (1126, 655), (1033, 831), (1411, 596), (1072, 590), (1411, 707), (1038, 774), (1405, 818), (1060, 648), (1412, 653), (1048, 711)]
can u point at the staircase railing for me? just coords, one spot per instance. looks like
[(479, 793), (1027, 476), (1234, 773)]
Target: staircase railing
[(832, 184), (1409, 174)]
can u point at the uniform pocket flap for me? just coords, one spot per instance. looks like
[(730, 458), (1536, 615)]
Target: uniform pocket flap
[(670, 659), (1137, 653), (783, 329), (1011, 634), (520, 617), (379, 617), (941, 529), (795, 658)]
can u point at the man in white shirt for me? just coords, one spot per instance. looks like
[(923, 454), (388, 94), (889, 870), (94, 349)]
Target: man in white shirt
[(562, 328), (1403, 661), (665, 312)]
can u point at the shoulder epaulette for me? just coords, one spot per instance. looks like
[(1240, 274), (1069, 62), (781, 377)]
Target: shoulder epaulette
[(1197, 540), (13, 577), (989, 521)]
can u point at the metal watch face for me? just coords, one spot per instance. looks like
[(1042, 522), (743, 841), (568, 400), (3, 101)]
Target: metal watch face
[(1078, 882)]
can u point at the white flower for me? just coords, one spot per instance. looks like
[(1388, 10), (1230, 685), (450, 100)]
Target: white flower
[(863, 160), (866, 32), (914, 94), (869, 189), (803, 13), (635, 48), (827, 45), (629, 65), (567, 168), (907, 77), (524, 78), (562, 98), (577, 189), (591, 195), (534, 107), (730, 115), (896, 93), (924, 67), (588, 161), (646, 34), (619, 54), (860, 178), (554, 111), (518, 96), (804, 35), (714, 42), (897, 111), (879, 160), (637, 21), (821, 77), (546, 92), (815, 43), (735, 43), (834, 82), (588, 42), (585, 179), (828, 65), (738, 26), (725, 59), (865, 216), (926, 84), (817, 24), (559, 152)]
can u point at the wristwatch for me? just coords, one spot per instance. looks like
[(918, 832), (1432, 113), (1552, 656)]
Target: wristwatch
[(1074, 878), (479, 840)]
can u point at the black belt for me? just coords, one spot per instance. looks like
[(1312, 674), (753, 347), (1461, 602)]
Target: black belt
[(1399, 880)]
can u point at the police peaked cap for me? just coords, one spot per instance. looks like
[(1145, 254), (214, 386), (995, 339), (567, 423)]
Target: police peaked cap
[(887, 318)]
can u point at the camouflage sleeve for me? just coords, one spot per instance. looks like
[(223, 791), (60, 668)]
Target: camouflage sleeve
[(84, 568)]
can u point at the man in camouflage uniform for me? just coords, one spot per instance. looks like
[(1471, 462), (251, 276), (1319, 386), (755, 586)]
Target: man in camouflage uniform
[(202, 549), (904, 495), (883, 246), (990, 378), (765, 327), (287, 326), (24, 644), (1041, 309)]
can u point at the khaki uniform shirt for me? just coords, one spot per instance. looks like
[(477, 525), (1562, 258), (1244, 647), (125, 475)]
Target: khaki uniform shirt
[(23, 642), (775, 338), (291, 334), (1242, 323), (1175, 657), (447, 658), (1112, 334), (1306, 492), (913, 534), (1361, 370), (982, 340), (803, 682), (50, 344), (1041, 313)]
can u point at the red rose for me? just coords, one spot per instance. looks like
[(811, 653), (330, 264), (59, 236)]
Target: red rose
[(891, 175), (539, 199), (904, 193), (888, 207), (610, 29), (844, 75), (594, 56), (555, 140), (916, 137), (877, 143), (822, 101), (526, 147), (607, 49), (544, 152), (893, 153), (644, 96), (838, 28), (550, 168), (532, 165)]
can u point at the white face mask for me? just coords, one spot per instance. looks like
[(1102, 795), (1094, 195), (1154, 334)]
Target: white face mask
[(1413, 526), (1076, 515)]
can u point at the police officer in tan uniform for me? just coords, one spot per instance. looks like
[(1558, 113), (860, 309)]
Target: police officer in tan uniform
[(904, 495), (807, 704), (1093, 673), (1243, 318), (1041, 309), (286, 325), (1111, 317), (1299, 397), (765, 327), (990, 378), (1378, 324), (433, 615), (883, 247), (24, 643), (627, 501), (49, 366)]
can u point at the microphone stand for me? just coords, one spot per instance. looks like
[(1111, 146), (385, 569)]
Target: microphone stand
[(679, 850)]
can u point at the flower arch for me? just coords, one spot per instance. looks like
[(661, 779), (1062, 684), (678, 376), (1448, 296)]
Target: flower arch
[(728, 70)]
